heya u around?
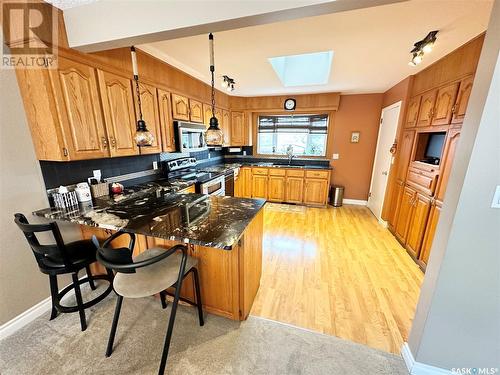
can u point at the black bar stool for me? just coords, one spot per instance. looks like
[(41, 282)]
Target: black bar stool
[(60, 258), (149, 273)]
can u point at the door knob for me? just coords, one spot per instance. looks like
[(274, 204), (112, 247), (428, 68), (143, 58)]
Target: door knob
[(385, 173)]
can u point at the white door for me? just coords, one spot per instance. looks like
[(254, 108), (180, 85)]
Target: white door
[(383, 158)]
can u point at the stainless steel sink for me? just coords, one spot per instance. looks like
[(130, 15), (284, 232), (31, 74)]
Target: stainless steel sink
[(287, 165)]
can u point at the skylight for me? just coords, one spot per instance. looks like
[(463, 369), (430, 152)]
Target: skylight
[(303, 70)]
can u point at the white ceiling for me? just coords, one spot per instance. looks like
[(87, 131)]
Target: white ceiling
[(371, 46)]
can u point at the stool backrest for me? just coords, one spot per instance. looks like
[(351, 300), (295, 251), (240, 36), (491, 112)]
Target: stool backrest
[(115, 258), (56, 251)]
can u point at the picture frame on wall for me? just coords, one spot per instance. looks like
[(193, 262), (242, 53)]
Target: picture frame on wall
[(355, 137)]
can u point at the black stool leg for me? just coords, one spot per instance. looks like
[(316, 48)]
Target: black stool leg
[(198, 296), (163, 298), (118, 307), (54, 290), (170, 328), (79, 301), (91, 279)]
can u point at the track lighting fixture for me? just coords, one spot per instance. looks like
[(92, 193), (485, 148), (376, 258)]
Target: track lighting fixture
[(228, 83), (422, 47)]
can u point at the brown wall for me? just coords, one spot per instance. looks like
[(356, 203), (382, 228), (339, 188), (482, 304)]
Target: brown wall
[(354, 167)]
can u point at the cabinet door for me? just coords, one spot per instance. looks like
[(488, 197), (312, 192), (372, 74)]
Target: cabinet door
[(445, 100), (195, 110), (412, 112), (445, 168), (404, 213), (405, 148), (118, 105), (430, 230), (426, 108), (180, 107), (246, 176), (422, 206), (150, 114), (259, 186), (237, 129), (462, 100), (397, 192), (77, 95), (315, 191), (207, 114), (294, 189), (167, 126), (226, 126), (276, 188)]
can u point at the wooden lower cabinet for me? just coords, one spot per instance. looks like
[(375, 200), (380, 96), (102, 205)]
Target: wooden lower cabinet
[(276, 188), (294, 189), (243, 184), (435, 212), (420, 213), (315, 191), (259, 186), (404, 213), (397, 192)]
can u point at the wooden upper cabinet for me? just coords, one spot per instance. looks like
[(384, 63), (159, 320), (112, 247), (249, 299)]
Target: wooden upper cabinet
[(446, 163), (167, 126), (118, 105), (195, 111), (238, 129), (76, 91), (445, 100), (226, 127), (405, 148), (462, 100), (426, 108), (416, 228), (430, 230), (150, 114), (412, 112), (180, 107), (207, 114)]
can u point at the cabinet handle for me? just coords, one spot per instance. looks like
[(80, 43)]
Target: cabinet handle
[(454, 108), (104, 142), (65, 151), (430, 114), (113, 141)]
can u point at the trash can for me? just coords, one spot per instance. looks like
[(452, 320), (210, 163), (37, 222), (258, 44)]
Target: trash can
[(336, 195)]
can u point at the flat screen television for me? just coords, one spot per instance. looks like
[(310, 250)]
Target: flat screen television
[(434, 148)]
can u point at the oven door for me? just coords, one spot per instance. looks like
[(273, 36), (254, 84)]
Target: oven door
[(217, 186)]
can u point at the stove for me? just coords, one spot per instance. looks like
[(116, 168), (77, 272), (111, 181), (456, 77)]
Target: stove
[(211, 183)]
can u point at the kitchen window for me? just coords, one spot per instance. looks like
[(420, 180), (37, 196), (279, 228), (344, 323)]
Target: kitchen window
[(307, 134)]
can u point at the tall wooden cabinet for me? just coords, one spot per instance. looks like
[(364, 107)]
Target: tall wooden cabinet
[(167, 128), (150, 114)]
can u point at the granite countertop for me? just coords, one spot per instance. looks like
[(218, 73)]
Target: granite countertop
[(156, 211), (222, 168)]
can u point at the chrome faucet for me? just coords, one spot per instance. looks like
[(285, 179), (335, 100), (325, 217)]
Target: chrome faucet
[(289, 153)]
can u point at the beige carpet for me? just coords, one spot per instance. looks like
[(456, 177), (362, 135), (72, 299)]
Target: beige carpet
[(222, 346)]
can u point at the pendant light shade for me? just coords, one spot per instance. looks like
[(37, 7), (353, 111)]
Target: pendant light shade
[(214, 137), (143, 137)]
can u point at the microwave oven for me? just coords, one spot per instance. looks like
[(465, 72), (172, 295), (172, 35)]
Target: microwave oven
[(190, 136)]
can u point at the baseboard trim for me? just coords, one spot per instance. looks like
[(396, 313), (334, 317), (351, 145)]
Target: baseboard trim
[(25, 318), (355, 201), (416, 368)]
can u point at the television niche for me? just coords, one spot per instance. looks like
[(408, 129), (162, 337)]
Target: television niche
[(429, 148)]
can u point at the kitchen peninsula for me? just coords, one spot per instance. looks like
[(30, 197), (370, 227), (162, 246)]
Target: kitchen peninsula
[(224, 233)]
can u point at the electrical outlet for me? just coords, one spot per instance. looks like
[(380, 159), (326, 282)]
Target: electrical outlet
[(335, 156), (155, 165)]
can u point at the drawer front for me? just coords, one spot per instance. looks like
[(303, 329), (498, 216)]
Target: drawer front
[(277, 172), (295, 172), (260, 171), (317, 174), (422, 180)]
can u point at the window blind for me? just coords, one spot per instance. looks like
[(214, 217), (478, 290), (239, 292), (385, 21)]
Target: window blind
[(311, 124)]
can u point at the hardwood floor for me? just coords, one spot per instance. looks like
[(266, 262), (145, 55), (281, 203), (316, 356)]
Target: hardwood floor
[(339, 272)]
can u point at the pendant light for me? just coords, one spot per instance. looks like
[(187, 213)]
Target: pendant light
[(213, 136), (142, 137)]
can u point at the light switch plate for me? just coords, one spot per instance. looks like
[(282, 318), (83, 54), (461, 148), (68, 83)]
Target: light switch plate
[(155, 165), (496, 198), (335, 156)]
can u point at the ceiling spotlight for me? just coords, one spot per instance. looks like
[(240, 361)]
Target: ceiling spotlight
[(421, 47), (228, 83)]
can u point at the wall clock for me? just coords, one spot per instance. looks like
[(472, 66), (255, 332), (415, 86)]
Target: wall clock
[(290, 104)]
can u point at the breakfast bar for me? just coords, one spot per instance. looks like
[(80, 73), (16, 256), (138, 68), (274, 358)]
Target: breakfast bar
[(223, 233)]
